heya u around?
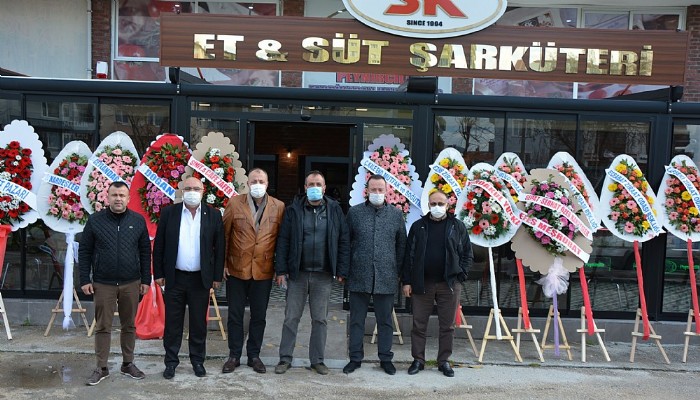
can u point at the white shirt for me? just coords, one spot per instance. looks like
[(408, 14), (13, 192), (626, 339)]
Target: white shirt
[(188, 257)]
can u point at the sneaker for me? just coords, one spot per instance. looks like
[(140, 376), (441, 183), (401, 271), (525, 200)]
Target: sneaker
[(97, 376), (320, 368), (131, 371), (282, 367)]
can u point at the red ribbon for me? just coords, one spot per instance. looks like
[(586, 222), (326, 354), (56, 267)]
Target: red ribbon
[(586, 301), (458, 315), (4, 232), (642, 296), (523, 294), (693, 287)]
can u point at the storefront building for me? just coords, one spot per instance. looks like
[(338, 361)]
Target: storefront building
[(305, 120)]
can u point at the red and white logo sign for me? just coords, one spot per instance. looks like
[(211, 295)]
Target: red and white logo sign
[(427, 18)]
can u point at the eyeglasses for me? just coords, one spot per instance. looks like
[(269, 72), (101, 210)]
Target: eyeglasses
[(433, 204), (192, 189)]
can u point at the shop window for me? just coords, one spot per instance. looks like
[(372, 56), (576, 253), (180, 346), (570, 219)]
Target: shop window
[(50, 110), (536, 140), (137, 40), (475, 136), (373, 131), (9, 110), (142, 122), (540, 16), (676, 287), (200, 127)]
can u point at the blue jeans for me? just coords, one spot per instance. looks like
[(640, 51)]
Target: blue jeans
[(316, 286)]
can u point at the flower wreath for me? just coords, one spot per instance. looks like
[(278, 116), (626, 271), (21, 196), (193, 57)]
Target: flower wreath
[(572, 175), (121, 161), (481, 214), (169, 164), (223, 167), (392, 160), (681, 211), (63, 203), (439, 183), (16, 167), (511, 167), (625, 213), (551, 190)]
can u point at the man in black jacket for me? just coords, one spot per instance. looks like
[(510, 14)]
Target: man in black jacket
[(312, 246), (437, 258), (188, 257), (116, 248)]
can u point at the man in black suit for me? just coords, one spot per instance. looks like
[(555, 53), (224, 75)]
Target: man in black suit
[(188, 256)]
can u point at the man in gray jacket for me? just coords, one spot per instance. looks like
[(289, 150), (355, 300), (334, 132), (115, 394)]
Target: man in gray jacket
[(377, 241)]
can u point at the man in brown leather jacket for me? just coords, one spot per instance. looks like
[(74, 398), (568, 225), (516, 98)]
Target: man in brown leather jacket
[(251, 223)]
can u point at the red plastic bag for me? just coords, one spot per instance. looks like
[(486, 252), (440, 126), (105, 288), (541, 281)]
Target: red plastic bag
[(150, 317)]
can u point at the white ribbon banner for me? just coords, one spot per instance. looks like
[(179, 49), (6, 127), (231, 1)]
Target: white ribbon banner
[(105, 169), (561, 209), (556, 235), (62, 182), (687, 183), (639, 198), (585, 208), (18, 192), (510, 179), (504, 202), (209, 173), (392, 180), (161, 184), (447, 176)]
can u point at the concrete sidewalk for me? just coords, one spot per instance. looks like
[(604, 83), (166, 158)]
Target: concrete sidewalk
[(30, 339)]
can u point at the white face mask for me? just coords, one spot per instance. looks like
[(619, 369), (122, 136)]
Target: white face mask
[(192, 198), (438, 211), (376, 199), (257, 190)]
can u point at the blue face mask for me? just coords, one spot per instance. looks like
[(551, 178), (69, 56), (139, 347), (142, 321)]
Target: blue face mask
[(314, 193)]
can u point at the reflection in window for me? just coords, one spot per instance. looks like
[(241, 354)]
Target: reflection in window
[(476, 137), (59, 122), (200, 127), (606, 20), (537, 140), (373, 131), (142, 122), (602, 141), (9, 110)]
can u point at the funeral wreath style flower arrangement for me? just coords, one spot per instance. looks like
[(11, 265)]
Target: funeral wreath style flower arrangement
[(222, 165), (448, 174), (512, 171), (681, 212), (120, 160), (16, 167), (63, 202), (168, 163), (481, 212)]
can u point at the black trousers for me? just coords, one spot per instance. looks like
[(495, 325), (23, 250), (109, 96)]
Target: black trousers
[(359, 304), (187, 291), (238, 293)]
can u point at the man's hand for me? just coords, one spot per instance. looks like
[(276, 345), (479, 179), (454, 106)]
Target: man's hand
[(88, 289), (160, 282), (216, 285), (341, 279), (280, 279), (407, 290), (144, 289), (225, 274)]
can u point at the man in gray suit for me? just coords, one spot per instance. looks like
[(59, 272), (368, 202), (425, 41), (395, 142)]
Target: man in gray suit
[(377, 241)]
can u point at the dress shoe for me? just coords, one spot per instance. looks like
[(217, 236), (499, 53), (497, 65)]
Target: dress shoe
[(388, 367), (351, 367), (416, 366), (257, 365), (199, 370), (230, 365), (169, 372), (446, 369)]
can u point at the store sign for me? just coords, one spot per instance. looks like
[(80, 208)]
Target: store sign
[(520, 53), (427, 18)]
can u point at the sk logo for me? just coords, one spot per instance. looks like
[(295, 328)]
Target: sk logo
[(429, 8)]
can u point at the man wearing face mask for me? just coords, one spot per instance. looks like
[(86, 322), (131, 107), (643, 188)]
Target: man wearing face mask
[(312, 248), (377, 244), (251, 223), (188, 258), (437, 258)]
